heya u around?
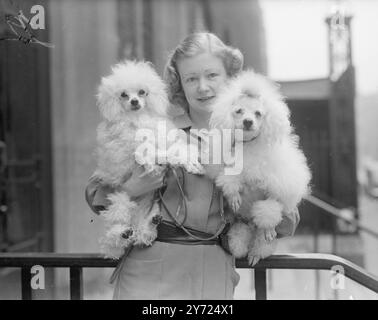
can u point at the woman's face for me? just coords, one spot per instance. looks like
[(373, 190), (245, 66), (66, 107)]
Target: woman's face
[(202, 76)]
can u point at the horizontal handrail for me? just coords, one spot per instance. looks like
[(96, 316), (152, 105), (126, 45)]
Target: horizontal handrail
[(76, 261)]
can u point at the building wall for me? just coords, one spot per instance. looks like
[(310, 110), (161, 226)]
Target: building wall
[(85, 38), (241, 25), (172, 21)]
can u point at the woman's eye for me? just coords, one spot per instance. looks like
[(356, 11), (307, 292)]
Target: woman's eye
[(258, 114), (124, 95), (191, 79), (141, 92), (213, 75)]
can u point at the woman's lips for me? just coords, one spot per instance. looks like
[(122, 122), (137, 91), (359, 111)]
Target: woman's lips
[(204, 99)]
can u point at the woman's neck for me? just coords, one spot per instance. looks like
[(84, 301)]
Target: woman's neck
[(200, 119)]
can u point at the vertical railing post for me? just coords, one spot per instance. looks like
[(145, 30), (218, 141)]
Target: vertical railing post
[(26, 290), (76, 283), (260, 284), (316, 249), (334, 250)]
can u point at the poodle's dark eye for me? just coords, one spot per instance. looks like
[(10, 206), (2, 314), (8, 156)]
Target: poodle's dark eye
[(258, 114), (141, 92), (250, 94), (124, 95), (239, 111)]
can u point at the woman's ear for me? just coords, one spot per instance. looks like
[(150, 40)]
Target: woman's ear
[(221, 115)]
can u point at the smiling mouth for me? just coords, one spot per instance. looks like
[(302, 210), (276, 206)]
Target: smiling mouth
[(205, 98)]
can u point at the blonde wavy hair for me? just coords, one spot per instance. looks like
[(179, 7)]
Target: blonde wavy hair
[(193, 44)]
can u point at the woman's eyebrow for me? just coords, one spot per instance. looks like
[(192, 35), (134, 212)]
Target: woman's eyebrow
[(189, 74), (212, 70)]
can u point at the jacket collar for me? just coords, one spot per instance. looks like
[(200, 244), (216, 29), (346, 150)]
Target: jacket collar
[(180, 118)]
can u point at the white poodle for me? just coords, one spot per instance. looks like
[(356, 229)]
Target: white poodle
[(275, 176), (134, 104)]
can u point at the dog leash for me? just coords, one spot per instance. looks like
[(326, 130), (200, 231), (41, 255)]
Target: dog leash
[(180, 225), (120, 264)]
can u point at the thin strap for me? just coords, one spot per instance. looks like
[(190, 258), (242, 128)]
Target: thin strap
[(180, 225), (183, 197), (183, 200), (120, 264)]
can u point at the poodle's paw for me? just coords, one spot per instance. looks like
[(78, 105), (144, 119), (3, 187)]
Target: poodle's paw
[(229, 184), (127, 234), (157, 219), (140, 158), (147, 237), (261, 249), (194, 167), (152, 169), (191, 164), (253, 259), (159, 169), (270, 234), (235, 201)]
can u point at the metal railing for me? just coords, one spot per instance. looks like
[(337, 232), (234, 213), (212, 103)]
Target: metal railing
[(336, 214), (76, 263)]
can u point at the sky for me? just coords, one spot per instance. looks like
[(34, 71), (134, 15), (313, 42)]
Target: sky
[(296, 34)]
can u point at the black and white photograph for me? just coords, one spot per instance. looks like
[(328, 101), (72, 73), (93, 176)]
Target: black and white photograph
[(207, 151)]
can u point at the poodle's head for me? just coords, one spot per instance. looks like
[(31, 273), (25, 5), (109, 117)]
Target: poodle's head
[(131, 89), (254, 104)]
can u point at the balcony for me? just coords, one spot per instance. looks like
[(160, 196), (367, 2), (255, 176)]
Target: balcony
[(76, 263)]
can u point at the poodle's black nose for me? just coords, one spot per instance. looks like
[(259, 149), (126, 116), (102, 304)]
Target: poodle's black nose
[(134, 102), (247, 123)]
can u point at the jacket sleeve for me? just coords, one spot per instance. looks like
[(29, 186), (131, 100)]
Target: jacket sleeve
[(289, 224), (96, 195), (135, 184)]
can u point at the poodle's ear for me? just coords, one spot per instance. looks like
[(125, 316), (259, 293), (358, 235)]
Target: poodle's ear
[(107, 102), (221, 115), (276, 123), (150, 64), (160, 103)]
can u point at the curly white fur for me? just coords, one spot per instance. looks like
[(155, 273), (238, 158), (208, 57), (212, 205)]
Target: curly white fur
[(272, 160), (131, 98)]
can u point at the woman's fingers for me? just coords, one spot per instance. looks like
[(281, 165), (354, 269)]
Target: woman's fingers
[(141, 182)]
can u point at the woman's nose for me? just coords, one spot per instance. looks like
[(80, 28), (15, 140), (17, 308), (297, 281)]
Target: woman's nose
[(203, 85)]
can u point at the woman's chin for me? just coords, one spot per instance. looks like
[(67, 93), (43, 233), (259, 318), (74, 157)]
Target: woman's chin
[(204, 107)]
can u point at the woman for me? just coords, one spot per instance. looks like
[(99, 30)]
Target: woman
[(179, 265)]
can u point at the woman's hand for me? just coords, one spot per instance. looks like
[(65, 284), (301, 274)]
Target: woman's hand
[(141, 182)]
